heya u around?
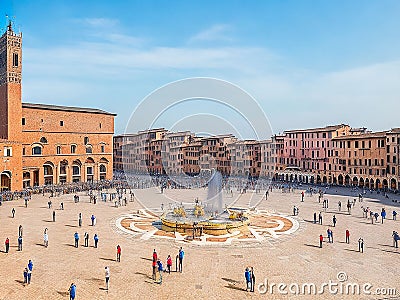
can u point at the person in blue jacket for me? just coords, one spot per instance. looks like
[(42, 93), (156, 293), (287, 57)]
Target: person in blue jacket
[(247, 275), (160, 269), (72, 291), (76, 236)]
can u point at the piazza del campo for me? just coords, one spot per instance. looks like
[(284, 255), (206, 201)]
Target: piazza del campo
[(86, 213)]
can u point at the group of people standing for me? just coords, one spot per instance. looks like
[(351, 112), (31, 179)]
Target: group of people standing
[(157, 264)]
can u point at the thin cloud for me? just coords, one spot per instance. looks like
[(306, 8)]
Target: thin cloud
[(218, 32)]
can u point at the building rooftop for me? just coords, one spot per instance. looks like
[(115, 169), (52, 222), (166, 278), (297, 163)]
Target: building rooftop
[(380, 134), (318, 129), (66, 108)]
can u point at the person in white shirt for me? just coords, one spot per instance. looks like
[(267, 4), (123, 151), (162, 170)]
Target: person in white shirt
[(107, 274)]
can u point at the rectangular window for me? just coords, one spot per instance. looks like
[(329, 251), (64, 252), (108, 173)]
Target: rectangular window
[(73, 148), (23, 121), (102, 148), (61, 123), (7, 151), (15, 59)]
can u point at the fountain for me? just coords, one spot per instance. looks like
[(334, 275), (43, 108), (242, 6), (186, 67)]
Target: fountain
[(211, 219)]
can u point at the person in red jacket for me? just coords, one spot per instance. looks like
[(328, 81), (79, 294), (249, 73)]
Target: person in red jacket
[(169, 264), (321, 239), (118, 253), (154, 264), (347, 236), (7, 243)]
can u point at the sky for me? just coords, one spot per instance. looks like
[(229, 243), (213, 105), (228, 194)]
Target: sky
[(307, 63)]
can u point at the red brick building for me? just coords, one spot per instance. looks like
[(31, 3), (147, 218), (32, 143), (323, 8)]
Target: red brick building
[(49, 144)]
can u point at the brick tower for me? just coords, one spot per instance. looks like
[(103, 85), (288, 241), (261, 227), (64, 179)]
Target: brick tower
[(10, 84)]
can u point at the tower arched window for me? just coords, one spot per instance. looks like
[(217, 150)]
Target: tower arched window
[(37, 150), (89, 149)]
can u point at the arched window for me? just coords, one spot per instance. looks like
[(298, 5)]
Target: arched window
[(58, 149), (85, 140), (43, 140), (89, 149), (37, 150), (102, 168)]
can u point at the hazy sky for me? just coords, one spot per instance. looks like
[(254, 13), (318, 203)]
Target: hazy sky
[(307, 63)]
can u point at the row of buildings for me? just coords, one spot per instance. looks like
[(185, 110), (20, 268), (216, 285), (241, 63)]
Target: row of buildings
[(337, 154), (47, 144)]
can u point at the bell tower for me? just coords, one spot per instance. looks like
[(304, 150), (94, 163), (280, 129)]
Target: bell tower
[(10, 84)]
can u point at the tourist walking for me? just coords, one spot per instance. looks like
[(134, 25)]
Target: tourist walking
[(107, 275), (20, 243), (118, 253), (13, 212), (340, 206), (72, 291), (361, 245), (347, 236), (93, 218), (54, 215), (80, 220), (96, 240), (169, 264), (160, 269), (25, 275), (334, 221), (181, 254), (7, 244), (253, 280), (76, 237), (86, 239), (394, 213), (45, 238), (154, 264), (20, 230), (383, 214), (321, 239), (30, 268), (320, 218), (396, 238), (315, 217), (247, 276)]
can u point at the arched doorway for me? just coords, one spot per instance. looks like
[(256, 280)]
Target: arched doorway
[(340, 179), (372, 184), (385, 184), (335, 180), (361, 182), (89, 169), (76, 170), (393, 184), (324, 180), (378, 184), (355, 181), (103, 172), (367, 183), (347, 180), (318, 179), (312, 180), (63, 171), (5, 181), (26, 179), (48, 169)]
